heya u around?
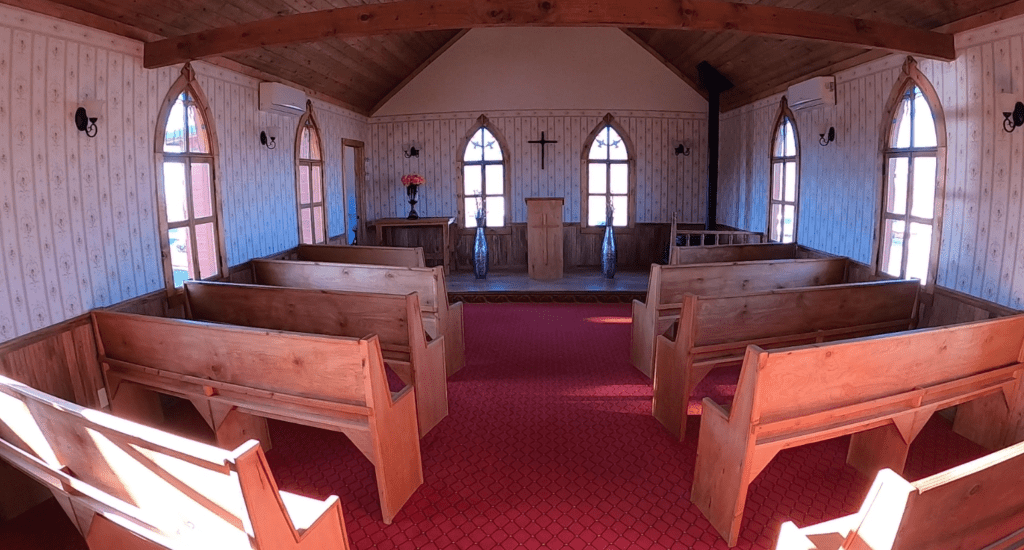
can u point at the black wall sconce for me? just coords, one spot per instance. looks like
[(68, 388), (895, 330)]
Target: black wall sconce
[(828, 137), (268, 140), (1014, 119), (412, 151), (682, 150), (86, 122)]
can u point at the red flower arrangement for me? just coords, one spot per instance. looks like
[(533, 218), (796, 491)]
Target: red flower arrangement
[(413, 179)]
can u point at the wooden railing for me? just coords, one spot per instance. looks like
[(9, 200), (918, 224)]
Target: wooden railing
[(679, 236)]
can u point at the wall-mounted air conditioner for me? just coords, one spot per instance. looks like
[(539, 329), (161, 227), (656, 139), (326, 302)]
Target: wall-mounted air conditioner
[(280, 99), (811, 93)]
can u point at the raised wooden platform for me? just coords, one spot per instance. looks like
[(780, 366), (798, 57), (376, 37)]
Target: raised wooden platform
[(579, 285)]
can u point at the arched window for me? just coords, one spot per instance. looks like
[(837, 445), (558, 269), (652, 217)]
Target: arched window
[(192, 239), (782, 203), (309, 160), (485, 177), (609, 176), (914, 158)]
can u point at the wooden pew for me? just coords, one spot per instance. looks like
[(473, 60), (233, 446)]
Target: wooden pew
[(975, 506), (714, 331), (394, 319), (369, 255), (684, 255), (235, 374), (127, 486), (439, 318), (880, 389), (668, 284)]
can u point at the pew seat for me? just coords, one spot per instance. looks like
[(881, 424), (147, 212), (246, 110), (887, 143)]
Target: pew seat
[(881, 390), (239, 376), (126, 486)]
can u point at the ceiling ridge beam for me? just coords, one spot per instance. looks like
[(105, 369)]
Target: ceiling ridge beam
[(429, 15)]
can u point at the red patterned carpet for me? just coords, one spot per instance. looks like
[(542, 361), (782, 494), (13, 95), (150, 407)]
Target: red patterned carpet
[(550, 444)]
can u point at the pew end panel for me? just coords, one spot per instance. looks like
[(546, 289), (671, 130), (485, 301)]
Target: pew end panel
[(125, 485)]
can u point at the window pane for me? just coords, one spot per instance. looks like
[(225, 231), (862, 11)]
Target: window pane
[(924, 187), (306, 225), (790, 136), (495, 178), (775, 223), (492, 149), (790, 191), (174, 133), (598, 179), (181, 255), (892, 247), (788, 223), (598, 149), (616, 147), (474, 149), (919, 249), (202, 199), (303, 184), (314, 144), (619, 183), (596, 209), (472, 182), (778, 169), (198, 140), (621, 214), (304, 144), (471, 204), (206, 247), (779, 148), (318, 184), (174, 191), (495, 211), (896, 186), (318, 224), (924, 124), (901, 132)]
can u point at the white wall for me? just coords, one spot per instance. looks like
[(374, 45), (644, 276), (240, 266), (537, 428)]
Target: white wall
[(532, 80), (506, 69), (841, 184), (78, 225)]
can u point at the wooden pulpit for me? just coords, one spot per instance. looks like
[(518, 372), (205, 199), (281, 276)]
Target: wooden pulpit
[(544, 237)]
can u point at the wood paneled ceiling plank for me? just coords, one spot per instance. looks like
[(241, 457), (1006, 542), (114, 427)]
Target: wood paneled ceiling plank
[(422, 15), (675, 70), (270, 61), (437, 53), (357, 51), (345, 71), (96, 21)]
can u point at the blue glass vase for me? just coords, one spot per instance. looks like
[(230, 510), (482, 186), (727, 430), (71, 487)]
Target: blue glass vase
[(480, 257), (608, 254)]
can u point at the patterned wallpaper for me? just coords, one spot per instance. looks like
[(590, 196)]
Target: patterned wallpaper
[(841, 184), (78, 225), (666, 183)]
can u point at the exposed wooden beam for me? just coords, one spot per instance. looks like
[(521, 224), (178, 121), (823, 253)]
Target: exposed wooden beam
[(426, 15), (418, 70)]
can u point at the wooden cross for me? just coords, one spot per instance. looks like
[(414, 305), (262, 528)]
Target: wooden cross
[(542, 141)]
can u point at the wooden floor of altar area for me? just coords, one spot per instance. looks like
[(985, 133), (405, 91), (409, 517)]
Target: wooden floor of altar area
[(578, 285)]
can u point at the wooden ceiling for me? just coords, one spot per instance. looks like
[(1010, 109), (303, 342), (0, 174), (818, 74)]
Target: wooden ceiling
[(359, 57)]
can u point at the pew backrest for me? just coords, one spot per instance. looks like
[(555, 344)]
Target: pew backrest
[(669, 283), (113, 475), (309, 366), (369, 255), (974, 505), (394, 318), (806, 381), (685, 255), (427, 282)]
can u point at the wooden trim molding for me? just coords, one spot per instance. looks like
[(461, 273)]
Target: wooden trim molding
[(608, 120), (406, 16), (910, 75)]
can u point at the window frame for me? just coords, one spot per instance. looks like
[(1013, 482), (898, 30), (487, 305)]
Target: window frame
[(308, 119), (607, 120), (187, 81), (483, 122), (911, 76), (785, 113)]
